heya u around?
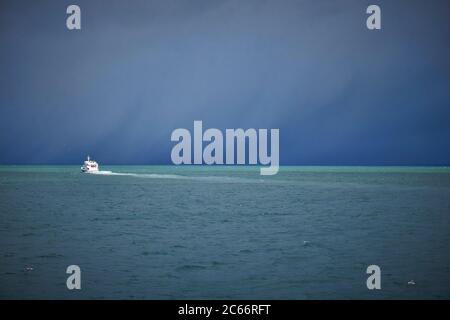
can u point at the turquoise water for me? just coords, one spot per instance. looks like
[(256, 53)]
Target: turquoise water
[(164, 232)]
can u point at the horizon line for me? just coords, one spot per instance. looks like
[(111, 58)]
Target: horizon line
[(235, 165)]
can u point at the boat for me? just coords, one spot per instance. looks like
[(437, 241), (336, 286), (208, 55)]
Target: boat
[(89, 166)]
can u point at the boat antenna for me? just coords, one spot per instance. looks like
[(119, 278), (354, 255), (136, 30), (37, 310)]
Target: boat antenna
[(89, 158)]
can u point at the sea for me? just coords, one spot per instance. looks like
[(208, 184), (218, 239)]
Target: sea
[(224, 232)]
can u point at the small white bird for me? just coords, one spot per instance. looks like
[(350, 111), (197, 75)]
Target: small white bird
[(411, 282)]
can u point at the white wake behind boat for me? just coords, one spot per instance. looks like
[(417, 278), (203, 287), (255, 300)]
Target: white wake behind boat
[(89, 166)]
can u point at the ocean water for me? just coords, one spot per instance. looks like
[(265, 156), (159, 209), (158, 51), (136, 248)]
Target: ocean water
[(166, 232)]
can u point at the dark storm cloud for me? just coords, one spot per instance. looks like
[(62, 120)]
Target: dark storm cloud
[(339, 93)]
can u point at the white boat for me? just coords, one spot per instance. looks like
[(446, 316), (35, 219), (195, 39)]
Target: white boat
[(89, 166)]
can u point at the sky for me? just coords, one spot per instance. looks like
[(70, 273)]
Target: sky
[(339, 93)]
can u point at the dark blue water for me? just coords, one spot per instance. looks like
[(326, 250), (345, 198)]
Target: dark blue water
[(224, 232)]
